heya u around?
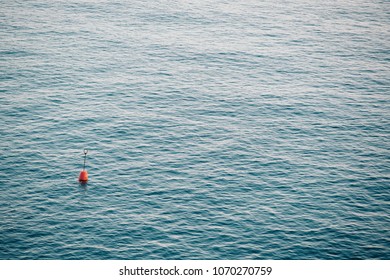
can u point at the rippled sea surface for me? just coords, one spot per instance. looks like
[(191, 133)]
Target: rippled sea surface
[(216, 129)]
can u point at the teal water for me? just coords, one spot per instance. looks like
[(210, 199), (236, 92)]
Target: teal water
[(216, 129)]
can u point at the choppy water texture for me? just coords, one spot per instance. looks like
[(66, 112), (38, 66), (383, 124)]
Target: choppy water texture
[(216, 129)]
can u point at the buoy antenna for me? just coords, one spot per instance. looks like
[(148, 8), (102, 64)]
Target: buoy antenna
[(85, 157)]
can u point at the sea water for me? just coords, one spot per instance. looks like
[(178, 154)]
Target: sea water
[(216, 129)]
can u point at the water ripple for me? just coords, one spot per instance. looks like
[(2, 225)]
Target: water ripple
[(216, 130)]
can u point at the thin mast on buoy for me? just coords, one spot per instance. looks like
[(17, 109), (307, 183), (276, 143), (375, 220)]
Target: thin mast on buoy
[(83, 177)]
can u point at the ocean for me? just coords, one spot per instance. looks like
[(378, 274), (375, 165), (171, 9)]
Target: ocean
[(216, 129)]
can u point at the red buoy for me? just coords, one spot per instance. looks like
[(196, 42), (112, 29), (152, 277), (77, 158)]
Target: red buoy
[(83, 177)]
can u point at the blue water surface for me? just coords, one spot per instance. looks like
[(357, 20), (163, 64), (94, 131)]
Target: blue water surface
[(216, 129)]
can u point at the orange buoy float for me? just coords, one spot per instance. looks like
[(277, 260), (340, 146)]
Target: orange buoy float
[(83, 177)]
